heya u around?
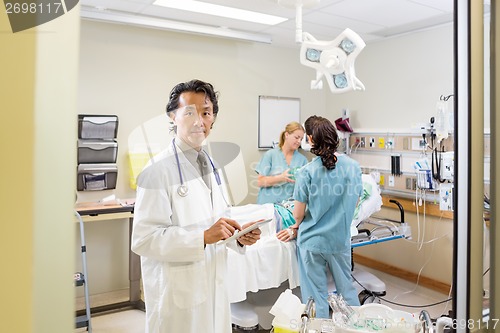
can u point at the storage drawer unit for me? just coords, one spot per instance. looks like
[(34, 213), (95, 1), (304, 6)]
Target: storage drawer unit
[(96, 177), (97, 126), (97, 151)]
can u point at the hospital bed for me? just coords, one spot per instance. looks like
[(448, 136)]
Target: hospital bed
[(372, 230), (258, 277)]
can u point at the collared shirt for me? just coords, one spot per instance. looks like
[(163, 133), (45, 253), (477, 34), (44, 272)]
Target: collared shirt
[(190, 153)]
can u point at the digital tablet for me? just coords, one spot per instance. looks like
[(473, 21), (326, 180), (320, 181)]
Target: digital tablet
[(245, 231)]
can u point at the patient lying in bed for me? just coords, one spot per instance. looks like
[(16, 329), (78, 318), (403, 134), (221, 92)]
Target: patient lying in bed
[(369, 203)]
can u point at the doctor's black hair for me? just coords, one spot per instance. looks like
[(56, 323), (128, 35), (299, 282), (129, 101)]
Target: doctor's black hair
[(325, 140), (196, 86)]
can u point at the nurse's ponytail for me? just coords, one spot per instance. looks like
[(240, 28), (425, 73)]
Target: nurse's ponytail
[(324, 140)]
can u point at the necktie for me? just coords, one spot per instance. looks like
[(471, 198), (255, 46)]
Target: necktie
[(204, 167)]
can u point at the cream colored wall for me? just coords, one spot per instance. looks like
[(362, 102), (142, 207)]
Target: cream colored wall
[(429, 252), (404, 78), (55, 112), (38, 96), (129, 71)]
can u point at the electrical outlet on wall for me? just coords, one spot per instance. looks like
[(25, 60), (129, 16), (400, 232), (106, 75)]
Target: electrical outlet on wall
[(406, 144), (381, 143), (372, 142), (418, 144), (389, 143), (408, 183), (411, 183), (343, 145)]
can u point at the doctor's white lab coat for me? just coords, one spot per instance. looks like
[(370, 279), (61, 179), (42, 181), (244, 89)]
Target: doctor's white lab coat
[(183, 281)]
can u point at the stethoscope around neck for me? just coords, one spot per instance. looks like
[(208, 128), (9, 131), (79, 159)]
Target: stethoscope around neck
[(183, 190)]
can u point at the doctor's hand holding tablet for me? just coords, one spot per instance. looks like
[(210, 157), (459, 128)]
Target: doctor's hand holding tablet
[(226, 230)]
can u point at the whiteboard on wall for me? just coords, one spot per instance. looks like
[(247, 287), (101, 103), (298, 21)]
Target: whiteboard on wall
[(274, 114)]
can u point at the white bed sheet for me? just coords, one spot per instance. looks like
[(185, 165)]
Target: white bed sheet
[(270, 262), (266, 264)]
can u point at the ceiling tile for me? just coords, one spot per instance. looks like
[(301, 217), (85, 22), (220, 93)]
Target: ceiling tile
[(371, 19), (382, 12), (444, 5), (335, 21)]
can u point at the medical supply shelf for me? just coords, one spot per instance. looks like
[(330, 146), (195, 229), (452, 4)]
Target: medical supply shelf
[(96, 212)]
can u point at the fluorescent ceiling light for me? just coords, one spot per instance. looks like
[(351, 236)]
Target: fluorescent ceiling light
[(222, 11), (148, 22)]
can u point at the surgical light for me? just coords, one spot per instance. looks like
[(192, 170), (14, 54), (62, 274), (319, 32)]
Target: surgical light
[(340, 81), (332, 60), (336, 60), (313, 55), (347, 45)]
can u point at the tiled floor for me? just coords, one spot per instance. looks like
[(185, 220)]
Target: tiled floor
[(398, 291), (410, 297)]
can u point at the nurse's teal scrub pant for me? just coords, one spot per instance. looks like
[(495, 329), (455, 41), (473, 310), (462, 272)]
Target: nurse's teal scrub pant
[(314, 281)]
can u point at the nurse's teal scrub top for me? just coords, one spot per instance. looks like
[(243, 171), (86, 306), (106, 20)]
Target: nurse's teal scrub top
[(274, 163), (331, 197)]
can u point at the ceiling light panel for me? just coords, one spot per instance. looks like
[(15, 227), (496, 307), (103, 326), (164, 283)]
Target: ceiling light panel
[(121, 5), (221, 11), (149, 22), (197, 18)]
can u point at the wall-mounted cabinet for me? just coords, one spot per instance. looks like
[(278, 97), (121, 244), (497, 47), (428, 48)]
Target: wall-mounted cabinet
[(97, 152)]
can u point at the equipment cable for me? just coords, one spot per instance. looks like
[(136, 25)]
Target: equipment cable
[(406, 305), (400, 304)]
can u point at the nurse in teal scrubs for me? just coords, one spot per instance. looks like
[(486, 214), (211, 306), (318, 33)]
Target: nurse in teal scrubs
[(326, 193), (277, 167)]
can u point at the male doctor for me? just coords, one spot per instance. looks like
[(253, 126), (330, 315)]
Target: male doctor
[(179, 218)]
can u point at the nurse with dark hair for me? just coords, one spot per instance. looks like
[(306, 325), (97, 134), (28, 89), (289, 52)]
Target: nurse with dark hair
[(326, 193)]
